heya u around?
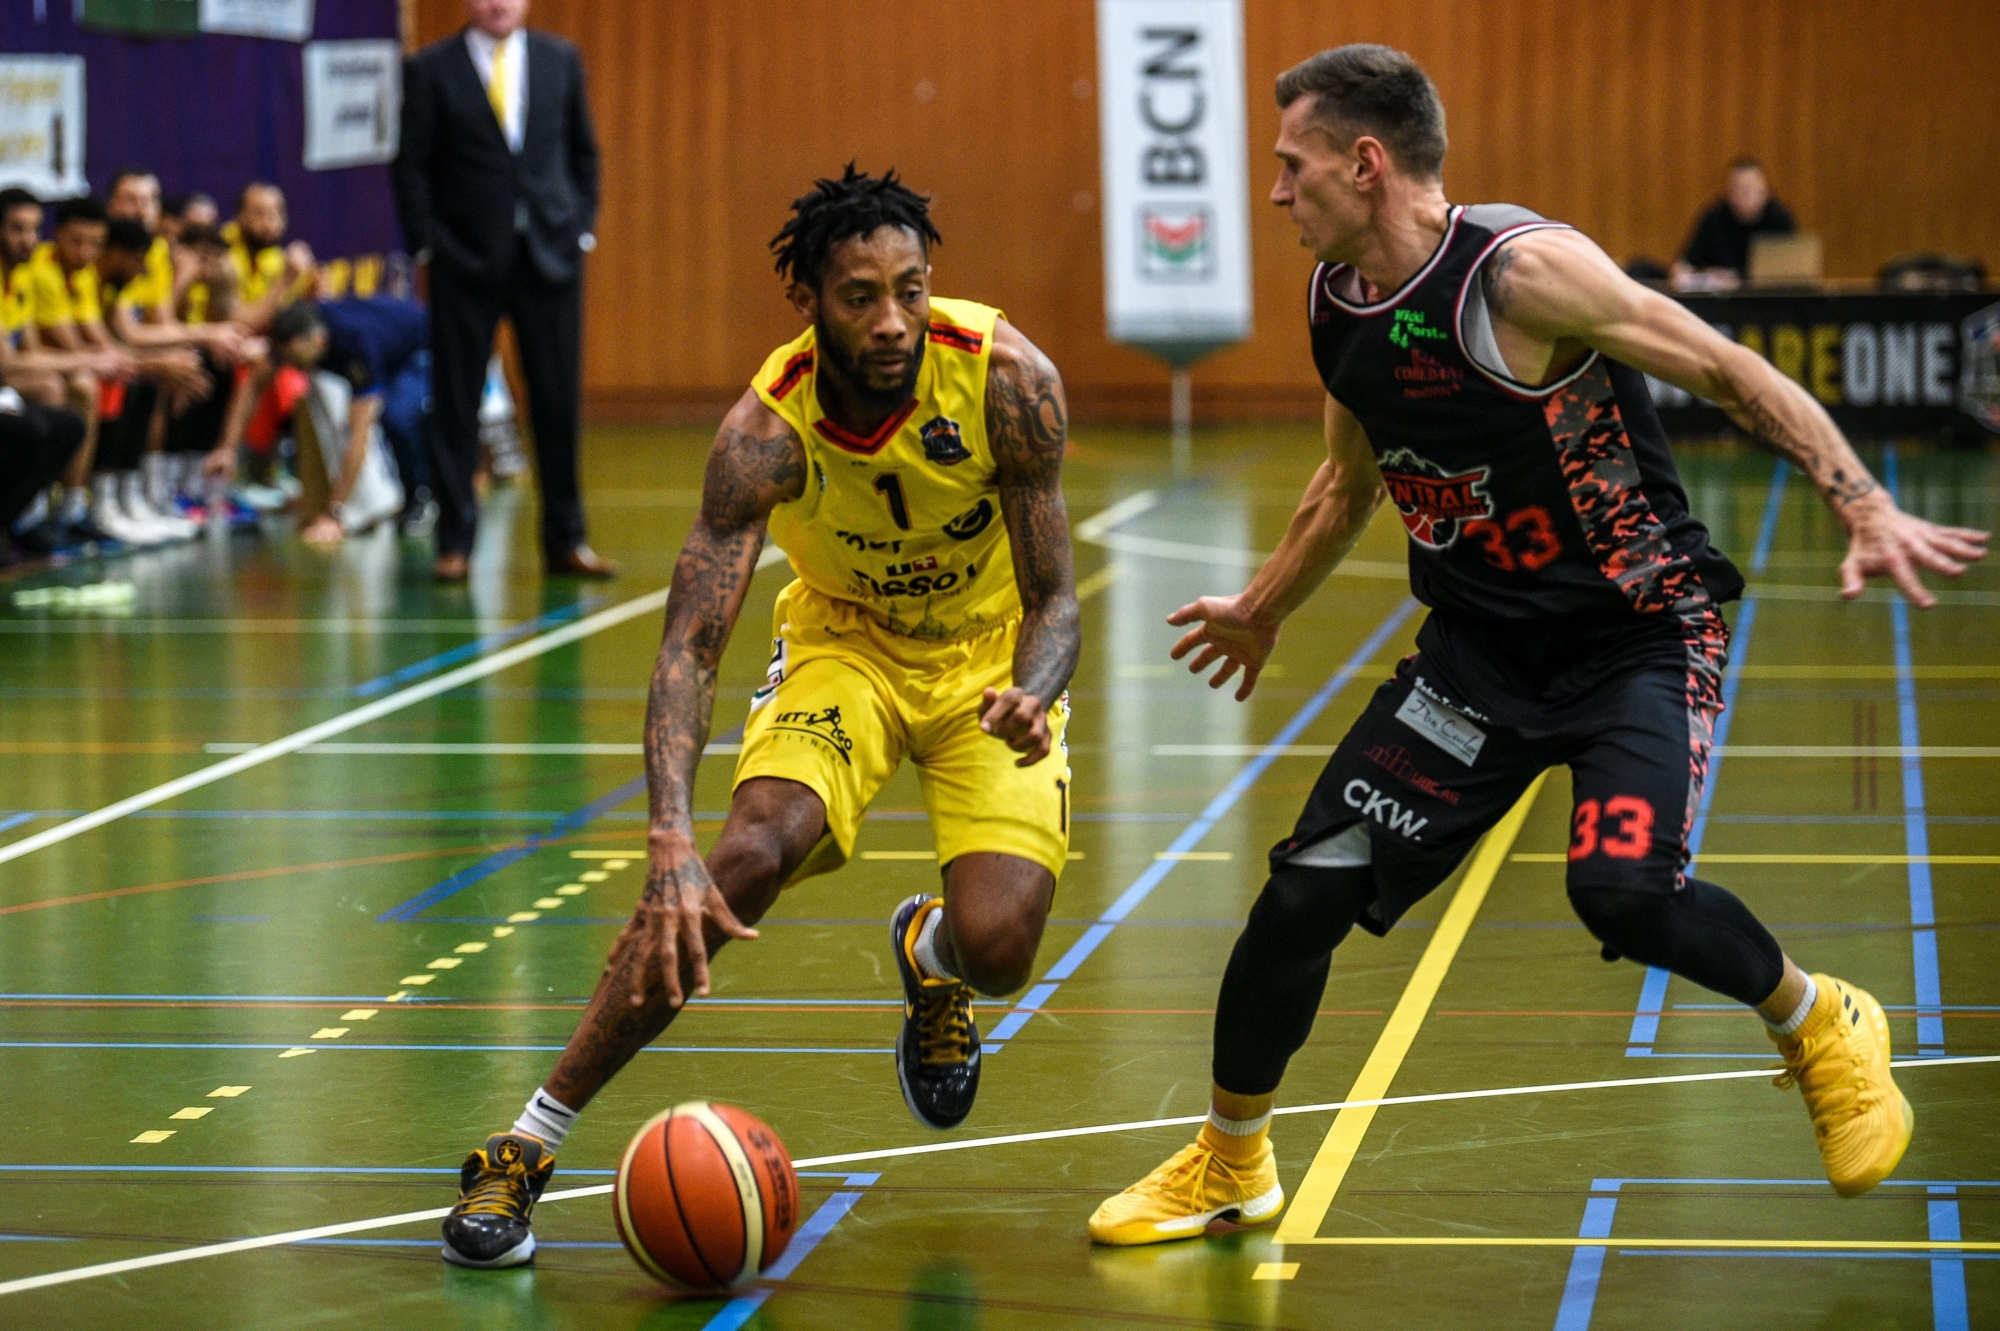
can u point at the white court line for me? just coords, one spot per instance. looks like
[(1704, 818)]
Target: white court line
[(1099, 530), (346, 721), (899, 1152), (338, 725)]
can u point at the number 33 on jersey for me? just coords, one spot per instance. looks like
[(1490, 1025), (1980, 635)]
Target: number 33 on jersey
[(904, 522)]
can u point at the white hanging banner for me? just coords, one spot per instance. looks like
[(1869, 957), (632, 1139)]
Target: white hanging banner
[(41, 124), (1176, 192), (287, 20), (354, 98)]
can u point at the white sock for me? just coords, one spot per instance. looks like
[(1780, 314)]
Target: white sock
[(547, 1118), (158, 485), (1239, 1127), (1799, 1014), (926, 948), (76, 503)]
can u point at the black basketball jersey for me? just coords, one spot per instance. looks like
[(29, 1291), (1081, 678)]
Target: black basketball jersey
[(1522, 502)]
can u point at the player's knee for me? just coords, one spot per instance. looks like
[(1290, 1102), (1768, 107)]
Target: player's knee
[(998, 956), (1629, 919), (1303, 913)]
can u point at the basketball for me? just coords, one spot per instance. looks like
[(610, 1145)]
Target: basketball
[(706, 1197)]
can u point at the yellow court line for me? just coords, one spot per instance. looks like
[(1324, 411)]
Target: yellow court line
[(1343, 1139), (1814, 1245), (1558, 857)]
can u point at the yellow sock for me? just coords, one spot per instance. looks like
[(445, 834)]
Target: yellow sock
[(1236, 1148)]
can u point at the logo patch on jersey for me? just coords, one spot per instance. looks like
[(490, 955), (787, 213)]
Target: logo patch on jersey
[(942, 442), (1435, 505), (822, 725), (1410, 324), (1427, 376), (1443, 725), (971, 522)]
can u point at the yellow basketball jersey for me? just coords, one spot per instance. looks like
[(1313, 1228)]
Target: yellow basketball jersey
[(905, 522)]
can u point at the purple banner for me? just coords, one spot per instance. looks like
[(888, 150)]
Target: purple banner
[(214, 112)]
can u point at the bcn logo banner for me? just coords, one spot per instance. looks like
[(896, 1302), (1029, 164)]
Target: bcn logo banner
[(1879, 364), (1176, 196)]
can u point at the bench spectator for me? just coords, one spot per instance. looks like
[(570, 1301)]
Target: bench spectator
[(1717, 257)]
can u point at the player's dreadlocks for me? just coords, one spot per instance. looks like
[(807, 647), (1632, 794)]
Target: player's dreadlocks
[(854, 205)]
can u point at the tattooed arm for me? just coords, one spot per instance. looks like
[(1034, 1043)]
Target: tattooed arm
[(1027, 420), (757, 463), (1555, 296)]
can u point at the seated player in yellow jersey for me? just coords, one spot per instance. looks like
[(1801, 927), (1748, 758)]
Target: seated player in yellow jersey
[(905, 452)]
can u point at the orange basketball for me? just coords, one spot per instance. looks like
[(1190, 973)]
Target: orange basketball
[(706, 1197)]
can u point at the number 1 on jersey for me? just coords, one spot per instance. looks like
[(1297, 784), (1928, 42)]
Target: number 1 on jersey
[(890, 487)]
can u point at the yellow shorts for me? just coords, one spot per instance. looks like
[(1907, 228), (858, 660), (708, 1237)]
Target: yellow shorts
[(846, 701)]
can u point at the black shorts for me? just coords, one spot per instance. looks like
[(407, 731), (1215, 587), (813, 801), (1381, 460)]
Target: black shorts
[(1446, 747)]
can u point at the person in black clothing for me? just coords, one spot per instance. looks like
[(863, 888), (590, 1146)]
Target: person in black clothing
[(496, 182), (1484, 374), (1718, 253)]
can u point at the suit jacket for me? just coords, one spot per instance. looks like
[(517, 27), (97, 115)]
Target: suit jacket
[(459, 187)]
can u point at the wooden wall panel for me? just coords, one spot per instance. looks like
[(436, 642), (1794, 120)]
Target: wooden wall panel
[(1616, 115)]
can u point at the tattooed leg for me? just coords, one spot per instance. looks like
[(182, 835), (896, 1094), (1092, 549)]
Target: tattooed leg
[(773, 825)]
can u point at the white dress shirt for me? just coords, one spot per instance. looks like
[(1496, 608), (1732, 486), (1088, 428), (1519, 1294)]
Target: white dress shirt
[(480, 45)]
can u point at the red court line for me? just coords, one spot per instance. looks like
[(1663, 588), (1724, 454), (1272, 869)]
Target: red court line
[(243, 875)]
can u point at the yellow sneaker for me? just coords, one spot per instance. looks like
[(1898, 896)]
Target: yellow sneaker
[(1183, 1196), (1839, 1060)]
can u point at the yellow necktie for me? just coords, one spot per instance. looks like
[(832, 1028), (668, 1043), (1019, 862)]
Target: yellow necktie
[(498, 86)]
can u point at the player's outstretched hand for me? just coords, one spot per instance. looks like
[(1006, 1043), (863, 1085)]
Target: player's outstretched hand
[(1885, 542), (665, 934), (1224, 630), (1019, 719)]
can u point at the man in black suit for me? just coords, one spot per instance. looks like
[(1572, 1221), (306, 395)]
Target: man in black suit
[(496, 183)]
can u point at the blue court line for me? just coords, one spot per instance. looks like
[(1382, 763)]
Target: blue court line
[(430, 665), (1916, 835), (15, 821), (1948, 1302), (1586, 1265), (1653, 990), (337, 1047), (494, 863), (817, 1226), (1191, 835)]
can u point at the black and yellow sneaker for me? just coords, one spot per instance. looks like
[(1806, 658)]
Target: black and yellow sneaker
[(937, 1055), (497, 1191)]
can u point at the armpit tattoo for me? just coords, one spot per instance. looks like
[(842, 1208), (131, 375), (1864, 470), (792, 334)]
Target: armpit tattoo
[(1494, 282)]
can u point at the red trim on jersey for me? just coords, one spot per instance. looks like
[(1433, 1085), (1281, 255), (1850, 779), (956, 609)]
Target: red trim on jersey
[(1332, 274), (958, 339), (797, 368), (844, 438), (1506, 383)]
